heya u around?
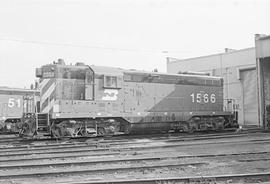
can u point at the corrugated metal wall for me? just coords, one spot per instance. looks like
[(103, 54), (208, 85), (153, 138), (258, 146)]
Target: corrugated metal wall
[(250, 100)]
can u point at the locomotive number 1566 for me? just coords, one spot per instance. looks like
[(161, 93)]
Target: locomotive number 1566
[(203, 97)]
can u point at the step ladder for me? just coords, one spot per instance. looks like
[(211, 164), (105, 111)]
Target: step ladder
[(43, 122)]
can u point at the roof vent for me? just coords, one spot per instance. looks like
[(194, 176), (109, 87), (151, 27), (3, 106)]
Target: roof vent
[(194, 73), (229, 50), (60, 62), (80, 64), (259, 35)]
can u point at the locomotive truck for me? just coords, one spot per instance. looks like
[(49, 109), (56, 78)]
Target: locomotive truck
[(83, 100)]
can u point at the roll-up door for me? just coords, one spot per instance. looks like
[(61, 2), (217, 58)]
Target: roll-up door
[(250, 100)]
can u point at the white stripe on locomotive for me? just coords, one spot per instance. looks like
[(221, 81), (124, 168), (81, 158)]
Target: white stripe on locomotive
[(43, 83), (46, 95), (49, 106)]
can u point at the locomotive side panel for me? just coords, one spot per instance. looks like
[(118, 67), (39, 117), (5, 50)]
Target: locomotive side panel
[(11, 106), (171, 100), (189, 98), (168, 98), (141, 97), (161, 103)]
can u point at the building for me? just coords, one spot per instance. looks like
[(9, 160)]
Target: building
[(262, 45), (238, 69)]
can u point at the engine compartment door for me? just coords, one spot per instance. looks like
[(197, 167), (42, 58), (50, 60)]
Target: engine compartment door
[(89, 84)]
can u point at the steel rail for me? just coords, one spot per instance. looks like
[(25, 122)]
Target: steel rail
[(99, 144), (87, 148), (165, 136), (54, 152), (10, 139), (185, 179), (33, 174), (118, 153), (70, 163), (40, 147), (61, 157)]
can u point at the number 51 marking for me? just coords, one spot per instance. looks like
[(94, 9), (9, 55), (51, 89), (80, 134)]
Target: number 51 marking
[(14, 102)]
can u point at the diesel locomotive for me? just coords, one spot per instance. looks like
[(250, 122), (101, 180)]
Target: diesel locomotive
[(86, 100)]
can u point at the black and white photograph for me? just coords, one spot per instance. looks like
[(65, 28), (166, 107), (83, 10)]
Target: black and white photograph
[(134, 91)]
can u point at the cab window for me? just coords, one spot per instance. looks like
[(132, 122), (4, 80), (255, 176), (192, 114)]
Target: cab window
[(71, 73), (48, 72), (110, 81)]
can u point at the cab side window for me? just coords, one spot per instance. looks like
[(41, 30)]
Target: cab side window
[(110, 82)]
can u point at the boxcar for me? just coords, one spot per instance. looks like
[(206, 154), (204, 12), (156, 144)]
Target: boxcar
[(14, 104)]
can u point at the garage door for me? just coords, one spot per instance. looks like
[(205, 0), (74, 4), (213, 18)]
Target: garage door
[(250, 100)]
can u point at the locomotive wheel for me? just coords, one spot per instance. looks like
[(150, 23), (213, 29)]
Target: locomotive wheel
[(2, 125), (56, 132), (101, 131), (183, 127), (192, 128), (27, 130), (83, 132)]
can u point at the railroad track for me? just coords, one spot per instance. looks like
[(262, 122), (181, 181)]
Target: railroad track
[(113, 154), (227, 178), (34, 173), (117, 147), (108, 160), (13, 139), (109, 142), (130, 159), (5, 140), (137, 165), (97, 166)]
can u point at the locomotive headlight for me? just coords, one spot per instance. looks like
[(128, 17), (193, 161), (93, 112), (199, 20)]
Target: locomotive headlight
[(57, 114), (8, 126), (38, 72)]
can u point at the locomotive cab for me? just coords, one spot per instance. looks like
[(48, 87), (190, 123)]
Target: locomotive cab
[(76, 82), (75, 93)]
